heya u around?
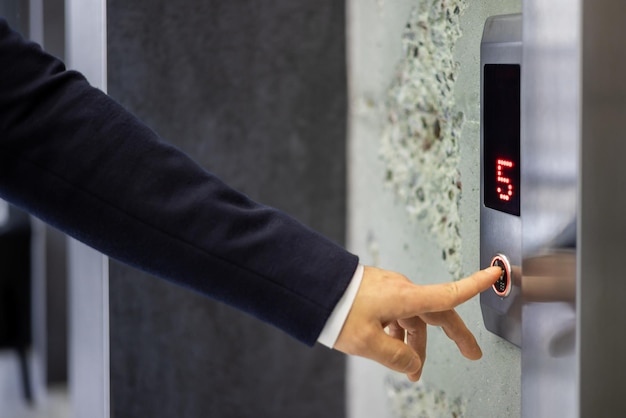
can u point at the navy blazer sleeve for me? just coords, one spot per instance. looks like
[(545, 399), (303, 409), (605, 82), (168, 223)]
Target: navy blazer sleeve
[(73, 157)]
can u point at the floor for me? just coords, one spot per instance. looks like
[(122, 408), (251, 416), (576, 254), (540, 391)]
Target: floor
[(54, 404)]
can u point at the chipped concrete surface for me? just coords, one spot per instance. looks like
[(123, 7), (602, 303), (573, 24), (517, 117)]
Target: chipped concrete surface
[(421, 400), (389, 226), (420, 143)]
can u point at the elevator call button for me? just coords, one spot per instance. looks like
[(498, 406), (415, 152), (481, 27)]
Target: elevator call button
[(502, 286), (501, 169)]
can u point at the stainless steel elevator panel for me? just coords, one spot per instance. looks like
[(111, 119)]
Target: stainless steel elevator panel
[(500, 221), (572, 220), (550, 189), (529, 195)]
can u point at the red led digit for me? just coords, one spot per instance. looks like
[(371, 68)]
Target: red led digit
[(503, 183)]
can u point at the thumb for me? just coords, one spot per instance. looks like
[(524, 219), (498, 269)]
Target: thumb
[(396, 355)]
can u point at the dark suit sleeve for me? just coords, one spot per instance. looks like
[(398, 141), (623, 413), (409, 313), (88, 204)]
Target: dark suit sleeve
[(75, 158)]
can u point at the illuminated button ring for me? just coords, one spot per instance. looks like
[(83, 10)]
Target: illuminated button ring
[(503, 285)]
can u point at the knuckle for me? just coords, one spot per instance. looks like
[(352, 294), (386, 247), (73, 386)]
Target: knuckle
[(453, 291), (362, 343), (401, 361)]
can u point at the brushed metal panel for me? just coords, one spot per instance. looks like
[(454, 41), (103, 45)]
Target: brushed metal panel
[(500, 232), (550, 155), (602, 287)]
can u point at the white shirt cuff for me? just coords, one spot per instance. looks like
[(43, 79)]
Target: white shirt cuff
[(337, 318)]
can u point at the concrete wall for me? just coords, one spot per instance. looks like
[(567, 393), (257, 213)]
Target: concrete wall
[(256, 91), (414, 191)]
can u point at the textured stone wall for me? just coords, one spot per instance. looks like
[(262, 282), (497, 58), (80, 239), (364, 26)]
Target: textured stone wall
[(420, 141), (414, 153)]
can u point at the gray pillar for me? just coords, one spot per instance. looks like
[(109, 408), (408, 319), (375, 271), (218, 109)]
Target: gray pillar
[(256, 92), (602, 224)]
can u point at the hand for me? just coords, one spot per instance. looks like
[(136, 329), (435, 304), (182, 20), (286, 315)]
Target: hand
[(388, 299)]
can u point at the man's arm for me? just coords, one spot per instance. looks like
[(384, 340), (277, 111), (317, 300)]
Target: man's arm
[(72, 156), (75, 158)]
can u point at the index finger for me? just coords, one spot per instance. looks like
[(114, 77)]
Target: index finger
[(445, 296)]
